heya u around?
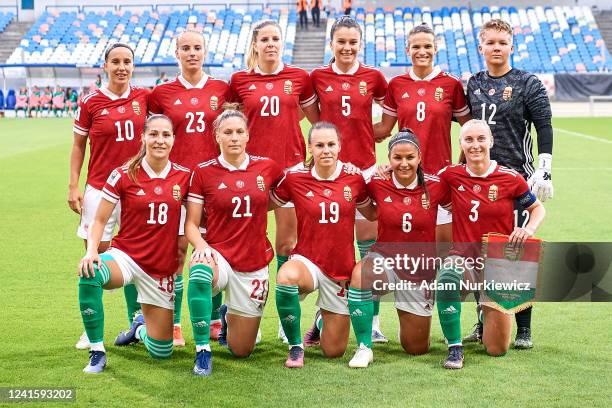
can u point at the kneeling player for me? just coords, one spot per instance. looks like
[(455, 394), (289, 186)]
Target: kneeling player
[(233, 189), (482, 195), (325, 198), (150, 190), (407, 207)]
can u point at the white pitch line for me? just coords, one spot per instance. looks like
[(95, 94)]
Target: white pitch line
[(582, 135), (583, 168)]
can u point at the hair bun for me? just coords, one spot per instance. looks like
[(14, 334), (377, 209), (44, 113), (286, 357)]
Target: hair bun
[(406, 130), (232, 106)]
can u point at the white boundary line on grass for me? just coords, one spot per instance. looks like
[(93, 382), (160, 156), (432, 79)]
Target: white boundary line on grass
[(582, 135)]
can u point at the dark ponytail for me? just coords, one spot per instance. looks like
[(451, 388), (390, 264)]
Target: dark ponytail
[(406, 135)]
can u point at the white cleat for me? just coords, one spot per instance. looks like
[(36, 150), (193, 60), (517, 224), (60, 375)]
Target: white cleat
[(281, 333), (378, 337), (362, 358), (258, 338), (83, 343)]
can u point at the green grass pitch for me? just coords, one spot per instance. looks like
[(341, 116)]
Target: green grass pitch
[(571, 364)]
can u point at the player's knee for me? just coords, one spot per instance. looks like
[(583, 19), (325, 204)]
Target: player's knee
[(415, 348), (284, 245), (100, 277), (288, 275), (496, 350), (356, 276), (241, 350), (333, 351), (200, 273)]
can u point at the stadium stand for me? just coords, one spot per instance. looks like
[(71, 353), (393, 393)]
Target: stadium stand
[(547, 40), (5, 19), (71, 37)]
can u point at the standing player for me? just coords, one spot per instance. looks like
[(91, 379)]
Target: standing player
[(425, 100), (232, 190), (274, 95), (510, 100), (325, 198), (109, 117), (483, 194), (150, 189), (72, 98), (192, 101), (407, 208), (59, 105), (346, 91)]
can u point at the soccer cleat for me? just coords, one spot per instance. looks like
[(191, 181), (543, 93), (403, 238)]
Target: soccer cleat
[(362, 358), (523, 338), (378, 337), (83, 343), (475, 335), (97, 362), (203, 364), (128, 337), (215, 329), (295, 359), (258, 338), (455, 358), (177, 337), (222, 337), (281, 333), (313, 335)]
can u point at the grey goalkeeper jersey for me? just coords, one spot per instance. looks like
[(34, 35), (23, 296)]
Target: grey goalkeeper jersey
[(510, 104)]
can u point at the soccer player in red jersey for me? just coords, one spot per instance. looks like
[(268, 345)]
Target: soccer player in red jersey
[(325, 198), (150, 190), (192, 101), (425, 100), (346, 91), (111, 118), (483, 195), (407, 208), (273, 96), (233, 190)]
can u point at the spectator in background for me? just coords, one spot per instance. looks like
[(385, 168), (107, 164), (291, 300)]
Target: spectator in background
[(21, 101), (327, 8), (347, 5), (302, 6), (34, 102), (72, 101), (45, 100), (98, 83), (315, 9), (162, 79), (59, 105)]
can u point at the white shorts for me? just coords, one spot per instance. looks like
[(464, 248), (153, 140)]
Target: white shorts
[(298, 166), (444, 216), (91, 200), (417, 301), (332, 296), (151, 291), (246, 293), (367, 174)]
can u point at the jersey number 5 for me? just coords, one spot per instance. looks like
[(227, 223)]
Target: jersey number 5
[(346, 105)]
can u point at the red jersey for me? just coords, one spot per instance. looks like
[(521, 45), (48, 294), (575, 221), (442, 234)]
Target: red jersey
[(427, 106), (192, 110), (236, 204), (150, 215), (325, 210), (114, 125), (346, 101), (483, 204), (272, 104)]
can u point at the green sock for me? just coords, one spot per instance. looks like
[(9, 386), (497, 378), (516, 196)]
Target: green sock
[(160, 349), (217, 301), (199, 297), (90, 302), (364, 246), (449, 305), (178, 298), (131, 301), (280, 260), (289, 312), (360, 308), (376, 309)]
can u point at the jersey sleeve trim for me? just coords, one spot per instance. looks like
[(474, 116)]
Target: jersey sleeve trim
[(309, 101), (195, 198), (390, 111), (79, 130), (379, 98), (277, 199), (364, 203), (461, 112), (108, 196)]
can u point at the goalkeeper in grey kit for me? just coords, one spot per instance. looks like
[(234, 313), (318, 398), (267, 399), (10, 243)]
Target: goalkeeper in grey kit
[(510, 101)]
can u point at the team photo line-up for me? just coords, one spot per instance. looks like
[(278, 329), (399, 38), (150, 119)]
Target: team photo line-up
[(210, 159)]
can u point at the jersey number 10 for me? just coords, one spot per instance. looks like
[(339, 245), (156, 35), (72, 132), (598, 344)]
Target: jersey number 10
[(127, 133)]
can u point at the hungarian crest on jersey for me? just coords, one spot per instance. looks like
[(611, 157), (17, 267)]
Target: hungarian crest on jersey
[(348, 194), (507, 95), (493, 192), (214, 103), (260, 183), (439, 94), (425, 201), (363, 88), (136, 107), (288, 88), (176, 192)]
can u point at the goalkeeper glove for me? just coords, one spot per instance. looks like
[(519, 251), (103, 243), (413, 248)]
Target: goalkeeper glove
[(540, 182)]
